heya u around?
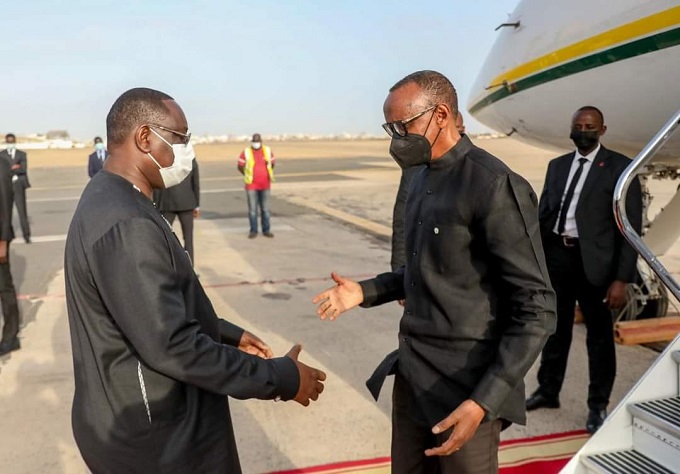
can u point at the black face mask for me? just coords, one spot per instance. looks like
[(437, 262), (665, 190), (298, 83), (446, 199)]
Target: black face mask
[(413, 149), (584, 140)]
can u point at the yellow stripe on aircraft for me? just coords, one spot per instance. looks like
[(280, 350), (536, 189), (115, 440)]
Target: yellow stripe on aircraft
[(642, 27)]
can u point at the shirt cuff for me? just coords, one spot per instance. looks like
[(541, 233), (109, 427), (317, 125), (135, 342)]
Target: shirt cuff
[(370, 291), (288, 378), (230, 333), (490, 394)]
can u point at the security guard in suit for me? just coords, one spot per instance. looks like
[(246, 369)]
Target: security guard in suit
[(96, 160), (19, 167), (8, 295), (588, 260)]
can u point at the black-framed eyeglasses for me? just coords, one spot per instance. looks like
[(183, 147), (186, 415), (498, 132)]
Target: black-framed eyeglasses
[(399, 127), (186, 137)]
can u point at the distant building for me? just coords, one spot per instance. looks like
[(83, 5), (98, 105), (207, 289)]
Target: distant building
[(58, 135)]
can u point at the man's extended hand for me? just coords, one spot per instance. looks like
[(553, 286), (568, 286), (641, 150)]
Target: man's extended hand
[(347, 294), (310, 379), (252, 344), (197, 213), (616, 295), (465, 420)]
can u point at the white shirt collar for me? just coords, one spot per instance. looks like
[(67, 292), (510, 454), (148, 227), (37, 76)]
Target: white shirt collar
[(590, 156)]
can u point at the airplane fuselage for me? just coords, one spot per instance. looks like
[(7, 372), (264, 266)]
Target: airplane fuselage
[(622, 57)]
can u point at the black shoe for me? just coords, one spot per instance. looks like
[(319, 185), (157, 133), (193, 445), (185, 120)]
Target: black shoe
[(539, 400), (8, 346), (268, 234), (595, 420), (252, 235), (27, 239)]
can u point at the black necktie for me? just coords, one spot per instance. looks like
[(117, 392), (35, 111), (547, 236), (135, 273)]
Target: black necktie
[(569, 196)]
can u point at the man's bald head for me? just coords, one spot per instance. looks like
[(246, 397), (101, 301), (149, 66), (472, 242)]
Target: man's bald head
[(132, 109), (591, 110)]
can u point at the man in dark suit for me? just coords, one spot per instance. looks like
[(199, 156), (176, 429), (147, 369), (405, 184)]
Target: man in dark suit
[(478, 307), (182, 201), (95, 161), (588, 259), (19, 165), (153, 363), (8, 296)]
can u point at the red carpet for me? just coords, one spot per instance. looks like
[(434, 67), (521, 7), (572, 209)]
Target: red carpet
[(539, 455)]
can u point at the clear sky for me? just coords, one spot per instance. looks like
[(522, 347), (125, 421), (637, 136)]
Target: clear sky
[(285, 66)]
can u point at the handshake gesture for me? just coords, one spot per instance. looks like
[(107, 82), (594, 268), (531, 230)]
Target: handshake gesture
[(310, 379)]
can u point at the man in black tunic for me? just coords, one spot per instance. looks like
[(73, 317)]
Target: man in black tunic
[(479, 305), (153, 363)]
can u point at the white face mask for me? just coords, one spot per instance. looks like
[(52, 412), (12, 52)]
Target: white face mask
[(256, 145), (181, 166)]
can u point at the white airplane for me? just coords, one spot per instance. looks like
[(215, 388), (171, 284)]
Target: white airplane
[(552, 57), (622, 56)]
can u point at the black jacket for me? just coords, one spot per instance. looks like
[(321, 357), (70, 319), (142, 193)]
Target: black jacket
[(479, 306), (606, 254), (398, 258), (21, 160), (186, 196), (153, 363), (95, 164), (6, 201)]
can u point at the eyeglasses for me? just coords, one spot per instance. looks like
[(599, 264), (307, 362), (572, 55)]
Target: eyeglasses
[(186, 137), (399, 127)]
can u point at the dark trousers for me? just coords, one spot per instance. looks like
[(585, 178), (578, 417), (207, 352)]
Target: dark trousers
[(565, 267), (186, 220), (20, 202), (8, 297), (411, 437)]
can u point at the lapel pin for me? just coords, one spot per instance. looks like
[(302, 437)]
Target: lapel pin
[(601, 165)]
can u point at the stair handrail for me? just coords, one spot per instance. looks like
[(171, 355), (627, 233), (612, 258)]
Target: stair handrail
[(619, 202)]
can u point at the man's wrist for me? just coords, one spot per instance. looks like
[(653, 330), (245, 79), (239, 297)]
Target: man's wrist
[(482, 409)]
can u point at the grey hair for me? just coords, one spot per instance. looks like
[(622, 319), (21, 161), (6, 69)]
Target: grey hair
[(436, 87)]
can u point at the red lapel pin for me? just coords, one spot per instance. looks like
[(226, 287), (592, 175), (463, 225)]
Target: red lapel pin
[(601, 164)]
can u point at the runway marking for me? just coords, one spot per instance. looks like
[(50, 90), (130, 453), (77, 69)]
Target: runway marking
[(69, 198), (349, 183), (360, 222), (378, 168), (42, 239), (237, 226), (240, 284)]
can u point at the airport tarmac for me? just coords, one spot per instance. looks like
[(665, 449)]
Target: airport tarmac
[(332, 208)]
